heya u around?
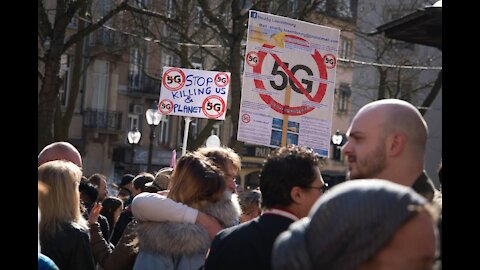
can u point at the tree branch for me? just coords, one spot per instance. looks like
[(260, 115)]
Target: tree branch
[(94, 26)]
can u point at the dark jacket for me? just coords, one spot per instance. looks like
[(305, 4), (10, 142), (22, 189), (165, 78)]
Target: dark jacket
[(125, 217), (69, 248), (120, 258), (248, 245), (424, 186)]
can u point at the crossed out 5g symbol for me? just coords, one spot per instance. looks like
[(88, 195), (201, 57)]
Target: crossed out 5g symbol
[(276, 70)]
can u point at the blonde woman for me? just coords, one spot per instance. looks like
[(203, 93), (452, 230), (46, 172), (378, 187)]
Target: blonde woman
[(200, 184), (63, 230)]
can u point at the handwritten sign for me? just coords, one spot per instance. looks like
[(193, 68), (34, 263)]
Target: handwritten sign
[(194, 93)]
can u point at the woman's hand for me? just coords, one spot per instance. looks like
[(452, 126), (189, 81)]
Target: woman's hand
[(94, 213)]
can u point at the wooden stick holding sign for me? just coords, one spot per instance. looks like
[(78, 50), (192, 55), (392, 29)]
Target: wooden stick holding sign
[(288, 91)]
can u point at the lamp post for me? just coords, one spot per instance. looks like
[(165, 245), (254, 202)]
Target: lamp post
[(133, 137), (337, 140), (153, 119), (213, 140)]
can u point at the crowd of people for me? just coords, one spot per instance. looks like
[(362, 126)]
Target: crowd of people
[(387, 215)]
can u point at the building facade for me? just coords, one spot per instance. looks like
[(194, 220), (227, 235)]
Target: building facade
[(121, 69)]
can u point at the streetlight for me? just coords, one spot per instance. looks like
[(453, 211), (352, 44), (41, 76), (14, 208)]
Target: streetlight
[(133, 137), (337, 140), (213, 141), (153, 119)]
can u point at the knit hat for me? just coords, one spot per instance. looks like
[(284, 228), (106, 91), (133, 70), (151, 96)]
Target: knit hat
[(346, 226)]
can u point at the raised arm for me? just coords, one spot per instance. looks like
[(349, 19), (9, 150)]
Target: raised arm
[(155, 207), (158, 208)]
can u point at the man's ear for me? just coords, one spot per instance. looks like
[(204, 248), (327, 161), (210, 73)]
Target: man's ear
[(296, 194), (396, 144)]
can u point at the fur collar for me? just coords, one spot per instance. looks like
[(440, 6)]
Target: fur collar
[(187, 239)]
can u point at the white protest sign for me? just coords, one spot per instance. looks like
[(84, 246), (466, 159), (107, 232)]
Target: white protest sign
[(288, 83), (194, 93)]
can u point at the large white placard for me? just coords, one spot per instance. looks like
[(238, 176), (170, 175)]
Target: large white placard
[(288, 83), (194, 93)]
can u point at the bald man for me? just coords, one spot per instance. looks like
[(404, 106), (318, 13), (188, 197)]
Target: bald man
[(387, 140), (60, 151)]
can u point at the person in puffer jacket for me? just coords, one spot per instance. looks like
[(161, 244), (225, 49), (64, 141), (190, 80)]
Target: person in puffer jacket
[(198, 183)]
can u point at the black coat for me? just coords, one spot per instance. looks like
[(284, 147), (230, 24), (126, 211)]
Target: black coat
[(248, 245), (69, 248)]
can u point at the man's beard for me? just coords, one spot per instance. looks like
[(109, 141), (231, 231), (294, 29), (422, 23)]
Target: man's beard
[(369, 166)]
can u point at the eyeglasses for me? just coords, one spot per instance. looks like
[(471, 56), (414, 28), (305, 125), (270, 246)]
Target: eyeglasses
[(323, 188)]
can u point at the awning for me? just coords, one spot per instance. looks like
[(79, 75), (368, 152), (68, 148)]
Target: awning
[(423, 26)]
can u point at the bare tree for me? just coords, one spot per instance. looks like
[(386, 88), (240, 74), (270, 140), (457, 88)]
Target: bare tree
[(54, 40), (418, 86)]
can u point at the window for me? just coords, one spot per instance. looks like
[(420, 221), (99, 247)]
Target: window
[(194, 127), (133, 121), (102, 36), (197, 63), (171, 11), (346, 48), (164, 130), (141, 3), (340, 8), (169, 60), (292, 5), (64, 88), (216, 130), (134, 72), (197, 66), (199, 18), (100, 84), (343, 97), (73, 22)]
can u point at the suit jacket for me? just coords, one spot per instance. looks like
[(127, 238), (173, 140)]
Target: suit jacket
[(248, 245)]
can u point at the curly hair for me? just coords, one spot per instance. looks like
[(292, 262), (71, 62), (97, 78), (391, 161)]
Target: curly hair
[(283, 169)]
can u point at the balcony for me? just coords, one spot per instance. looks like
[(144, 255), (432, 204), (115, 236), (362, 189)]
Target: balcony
[(102, 37), (140, 83), (109, 122)]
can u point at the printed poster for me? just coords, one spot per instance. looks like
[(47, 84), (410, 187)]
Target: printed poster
[(288, 83)]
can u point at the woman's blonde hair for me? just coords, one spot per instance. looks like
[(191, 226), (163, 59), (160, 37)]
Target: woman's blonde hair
[(196, 180), (62, 202)]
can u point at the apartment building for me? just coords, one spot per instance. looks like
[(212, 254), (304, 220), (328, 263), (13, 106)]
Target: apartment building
[(120, 79)]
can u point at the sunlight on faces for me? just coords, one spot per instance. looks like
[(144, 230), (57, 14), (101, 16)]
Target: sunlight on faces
[(230, 175), (365, 148), (313, 193)]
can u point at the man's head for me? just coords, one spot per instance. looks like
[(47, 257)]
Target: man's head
[(139, 183), (100, 182), (227, 160), (126, 182), (386, 137), (364, 224), (60, 151), (291, 179)]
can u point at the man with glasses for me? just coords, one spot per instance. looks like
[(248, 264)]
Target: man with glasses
[(290, 183)]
